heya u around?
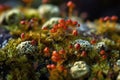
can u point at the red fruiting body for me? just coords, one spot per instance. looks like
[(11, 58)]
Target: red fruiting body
[(53, 30), (106, 18), (23, 22), (48, 66), (114, 18), (83, 54), (102, 52), (55, 53), (69, 21), (74, 22), (33, 42), (104, 57), (64, 27), (55, 58), (70, 46), (46, 50), (78, 25), (59, 25), (35, 19), (4, 7), (77, 46), (22, 35), (62, 51), (61, 21), (93, 41), (75, 32), (44, 28), (101, 19), (55, 26), (1, 8), (52, 66), (70, 4), (45, 1)]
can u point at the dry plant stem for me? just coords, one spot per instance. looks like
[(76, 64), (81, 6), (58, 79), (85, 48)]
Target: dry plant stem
[(70, 12)]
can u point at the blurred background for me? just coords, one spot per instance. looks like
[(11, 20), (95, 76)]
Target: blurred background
[(90, 9)]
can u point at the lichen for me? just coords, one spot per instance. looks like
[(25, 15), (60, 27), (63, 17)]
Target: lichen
[(79, 69), (26, 48)]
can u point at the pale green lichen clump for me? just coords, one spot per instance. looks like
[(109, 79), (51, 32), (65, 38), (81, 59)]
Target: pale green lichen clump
[(48, 11), (26, 48), (100, 45), (79, 69), (85, 45), (51, 22), (118, 62)]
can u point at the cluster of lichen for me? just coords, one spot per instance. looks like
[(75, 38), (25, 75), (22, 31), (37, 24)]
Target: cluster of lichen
[(101, 67), (19, 66), (57, 50), (25, 56)]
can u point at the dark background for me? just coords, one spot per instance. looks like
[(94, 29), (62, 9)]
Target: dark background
[(94, 8), (98, 8)]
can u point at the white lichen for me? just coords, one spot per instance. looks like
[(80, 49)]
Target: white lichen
[(118, 62), (48, 11), (118, 77), (51, 22), (79, 69), (85, 45), (13, 16), (100, 45), (26, 48)]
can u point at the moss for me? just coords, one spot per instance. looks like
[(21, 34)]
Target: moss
[(33, 66)]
